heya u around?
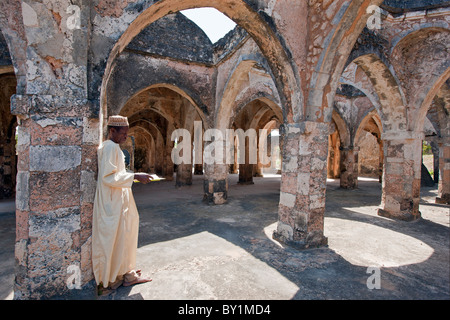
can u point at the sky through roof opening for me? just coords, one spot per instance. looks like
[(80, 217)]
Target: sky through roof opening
[(213, 22)]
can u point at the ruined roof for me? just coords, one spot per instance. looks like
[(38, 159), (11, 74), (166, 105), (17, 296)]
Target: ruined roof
[(401, 6), (176, 36)]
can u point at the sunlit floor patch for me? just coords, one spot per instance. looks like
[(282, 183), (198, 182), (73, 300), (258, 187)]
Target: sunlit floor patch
[(268, 231), (205, 266), (365, 244)]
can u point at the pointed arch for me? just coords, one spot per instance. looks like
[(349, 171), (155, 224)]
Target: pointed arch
[(347, 25), (238, 93), (286, 80), (390, 95), (343, 129), (421, 60), (125, 108), (426, 103)]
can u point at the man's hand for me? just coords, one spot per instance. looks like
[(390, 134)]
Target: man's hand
[(143, 177)]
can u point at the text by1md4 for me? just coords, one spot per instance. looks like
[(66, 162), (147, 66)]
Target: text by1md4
[(245, 309)]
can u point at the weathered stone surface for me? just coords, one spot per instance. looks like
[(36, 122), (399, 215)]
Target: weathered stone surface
[(401, 179), (88, 186), (54, 158), (22, 191), (349, 169), (302, 206)]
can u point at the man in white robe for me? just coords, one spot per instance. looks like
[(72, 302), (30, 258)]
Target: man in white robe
[(115, 222)]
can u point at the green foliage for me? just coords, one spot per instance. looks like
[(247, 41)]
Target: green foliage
[(426, 148)]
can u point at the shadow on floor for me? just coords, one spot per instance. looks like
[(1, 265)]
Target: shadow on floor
[(196, 251)]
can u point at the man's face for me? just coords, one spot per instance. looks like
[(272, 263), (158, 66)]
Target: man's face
[(120, 135)]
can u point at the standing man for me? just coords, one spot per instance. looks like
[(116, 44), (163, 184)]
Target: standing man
[(115, 222)]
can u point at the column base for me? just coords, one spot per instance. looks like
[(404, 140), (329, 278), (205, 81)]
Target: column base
[(313, 240), (216, 192), (403, 216), (215, 198), (245, 182), (443, 200), (179, 184), (348, 187), (198, 169)]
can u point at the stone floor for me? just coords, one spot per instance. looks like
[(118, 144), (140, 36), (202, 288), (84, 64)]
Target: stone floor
[(195, 251)]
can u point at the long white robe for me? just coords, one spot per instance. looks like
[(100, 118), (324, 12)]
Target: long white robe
[(115, 222)]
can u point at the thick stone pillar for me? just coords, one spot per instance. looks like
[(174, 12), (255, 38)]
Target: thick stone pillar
[(168, 164), (215, 183), (234, 166), (349, 168), (7, 166), (444, 174), (159, 156), (303, 185), (257, 168), (401, 176), (184, 175), (436, 150), (215, 167), (8, 172), (198, 169), (334, 156), (246, 174), (246, 169), (56, 181)]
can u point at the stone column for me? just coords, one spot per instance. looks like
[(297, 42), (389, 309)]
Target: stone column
[(56, 182), (7, 167), (349, 168), (246, 169), (334, 156), (401, 175), (168, 165), (257, 168), (159, 156), (215, 183), (444, 173), (184, 175), (215, 167), (303, 184), (184, 172), (198, 169), (234, 166), (381, 163), (246, 173), (435, 149)]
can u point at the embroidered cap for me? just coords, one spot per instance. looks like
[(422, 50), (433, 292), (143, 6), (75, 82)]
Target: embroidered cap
[(118, 121)]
